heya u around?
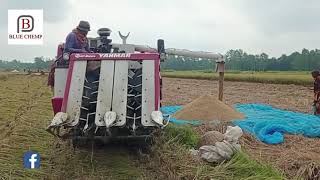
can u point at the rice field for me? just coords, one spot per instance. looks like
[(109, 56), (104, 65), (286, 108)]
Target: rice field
[(25, 112), (273, 77)]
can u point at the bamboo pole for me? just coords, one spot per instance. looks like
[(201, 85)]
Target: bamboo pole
[(221, 79), (220, 70)]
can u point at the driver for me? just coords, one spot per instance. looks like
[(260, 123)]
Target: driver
[(316, 102), (77, 41)]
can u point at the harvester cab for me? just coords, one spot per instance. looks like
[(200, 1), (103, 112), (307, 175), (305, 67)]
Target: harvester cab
[(113, 92)]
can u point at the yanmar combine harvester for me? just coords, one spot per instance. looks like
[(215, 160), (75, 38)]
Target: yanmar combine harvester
[(112, 93)]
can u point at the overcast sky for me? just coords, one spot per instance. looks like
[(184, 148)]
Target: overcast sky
[(275, 27)]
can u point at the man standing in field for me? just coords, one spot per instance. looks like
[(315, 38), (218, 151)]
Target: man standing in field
[(316, 89)]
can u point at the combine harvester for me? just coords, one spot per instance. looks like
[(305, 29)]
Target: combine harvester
[(113, 93)]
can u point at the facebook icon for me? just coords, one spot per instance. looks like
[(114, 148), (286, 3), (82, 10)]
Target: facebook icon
[(31, 160)]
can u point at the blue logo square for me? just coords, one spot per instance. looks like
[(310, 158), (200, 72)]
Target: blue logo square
[(31, 160)]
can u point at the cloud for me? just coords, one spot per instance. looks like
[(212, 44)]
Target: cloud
[(55, 14), (274, 27), (277, 17), (54, 10)]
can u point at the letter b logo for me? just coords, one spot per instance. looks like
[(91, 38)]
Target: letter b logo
[(25, 27), (25, 23)]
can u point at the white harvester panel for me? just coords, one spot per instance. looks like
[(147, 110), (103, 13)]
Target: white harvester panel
[(76, 91), (60, 80), (148, 92), (120, 91), (104, 99)]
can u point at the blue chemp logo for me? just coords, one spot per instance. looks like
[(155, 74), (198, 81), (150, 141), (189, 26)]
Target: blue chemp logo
[(31, 160)]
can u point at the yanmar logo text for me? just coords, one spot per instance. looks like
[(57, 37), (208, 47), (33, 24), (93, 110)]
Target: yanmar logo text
[(115, 55), (106, 55), (25, 27)]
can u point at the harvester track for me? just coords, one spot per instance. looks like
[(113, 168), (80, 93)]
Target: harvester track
[(89, 102), (134, 97)]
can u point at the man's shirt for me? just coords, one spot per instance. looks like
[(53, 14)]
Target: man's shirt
[(316, 85), (73, 45)]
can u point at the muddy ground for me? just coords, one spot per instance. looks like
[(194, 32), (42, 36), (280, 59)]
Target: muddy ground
[(296, 153)]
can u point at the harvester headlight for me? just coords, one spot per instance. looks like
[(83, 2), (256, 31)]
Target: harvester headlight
[(65, 56)]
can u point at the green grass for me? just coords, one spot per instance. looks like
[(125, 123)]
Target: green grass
[(242, 166), (273, 77), (174, 159), (183, 134)]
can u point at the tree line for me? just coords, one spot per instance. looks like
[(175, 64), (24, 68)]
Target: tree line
[(305, 60), (39, 63), (237, 59), (240, 60)]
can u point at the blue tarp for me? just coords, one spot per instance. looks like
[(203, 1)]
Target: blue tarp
[(269, 124), (266, 123)]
